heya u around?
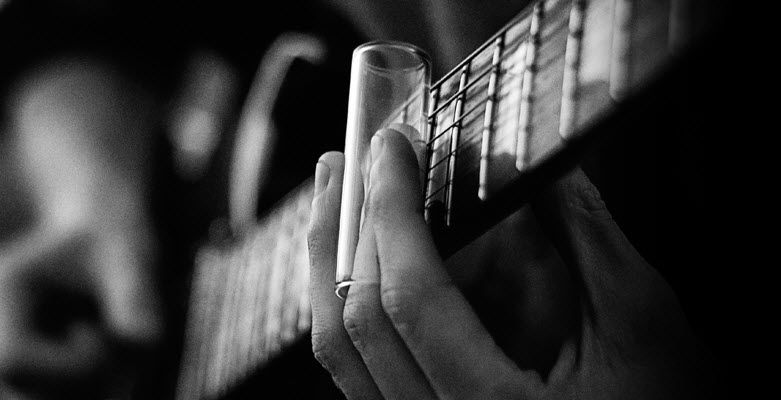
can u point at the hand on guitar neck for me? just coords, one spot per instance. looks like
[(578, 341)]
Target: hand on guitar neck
[(406, 331)]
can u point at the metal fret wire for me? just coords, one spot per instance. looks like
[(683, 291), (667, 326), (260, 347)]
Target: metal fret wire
[(433, 191), (536, 14), (432, 126), (461, 91), (432, 115), (455, 133), (459, 119), (515, 21), (569, 90), (485, 146), (527, 87)]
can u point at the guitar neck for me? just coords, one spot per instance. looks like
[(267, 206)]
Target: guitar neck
[(509, 116)]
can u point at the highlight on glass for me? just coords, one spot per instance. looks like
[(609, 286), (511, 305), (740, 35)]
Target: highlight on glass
[(389, 87)]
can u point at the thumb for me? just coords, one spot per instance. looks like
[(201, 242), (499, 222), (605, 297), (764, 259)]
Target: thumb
[(572, 214)]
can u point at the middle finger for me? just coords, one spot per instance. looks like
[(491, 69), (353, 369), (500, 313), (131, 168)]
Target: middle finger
[(384, 353)]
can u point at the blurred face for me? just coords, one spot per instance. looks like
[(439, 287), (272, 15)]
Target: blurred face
[(77, 303)]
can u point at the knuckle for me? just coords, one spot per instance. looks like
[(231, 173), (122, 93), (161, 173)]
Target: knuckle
[(317, 239), (357, 322), (324, 350), (402, 305)]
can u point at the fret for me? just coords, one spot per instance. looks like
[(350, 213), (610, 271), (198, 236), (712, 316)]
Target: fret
[(241, 331), (504, 130), (215, 380), (274, 297), (239, 340), (226, 338), (485, 148), (262, 246), (288, 313), (572, 57), (430, 153), (622, 49), (304, 321), (454, 143), (463, 115), (461, 91), (259, 247), (199, 324), (438, 149), (524, 119), (297, 275)]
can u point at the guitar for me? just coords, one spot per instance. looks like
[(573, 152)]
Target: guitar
[(515, 114)]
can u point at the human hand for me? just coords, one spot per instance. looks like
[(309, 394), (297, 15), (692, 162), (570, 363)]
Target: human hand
[(405, 330)]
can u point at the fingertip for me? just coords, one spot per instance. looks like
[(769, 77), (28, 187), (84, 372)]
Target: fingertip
[(333, 159), (394, 178), (394, 150), (322, 175), (407, 131)]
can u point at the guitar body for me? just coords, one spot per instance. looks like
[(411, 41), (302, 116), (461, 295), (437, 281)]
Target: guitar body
[(634, 110)]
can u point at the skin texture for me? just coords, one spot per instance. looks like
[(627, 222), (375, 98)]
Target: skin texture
[(406, 331)]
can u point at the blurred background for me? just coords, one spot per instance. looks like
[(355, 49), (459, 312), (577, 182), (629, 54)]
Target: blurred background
[(117, 124)]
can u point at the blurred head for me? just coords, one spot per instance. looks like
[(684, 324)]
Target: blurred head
[(78, 306)]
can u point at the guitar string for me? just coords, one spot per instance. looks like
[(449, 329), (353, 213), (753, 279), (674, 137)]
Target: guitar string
[(457, 121), (458, 93), (488, 68), (466, 143), (503, 73)]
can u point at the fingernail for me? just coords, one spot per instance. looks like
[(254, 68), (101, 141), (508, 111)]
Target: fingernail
[(377, 143), (322, 175)]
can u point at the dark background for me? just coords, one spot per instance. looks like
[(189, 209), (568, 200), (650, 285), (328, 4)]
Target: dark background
[(673, 183)]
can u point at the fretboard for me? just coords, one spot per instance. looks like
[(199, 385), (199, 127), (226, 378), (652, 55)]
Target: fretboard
[(519, 101)]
